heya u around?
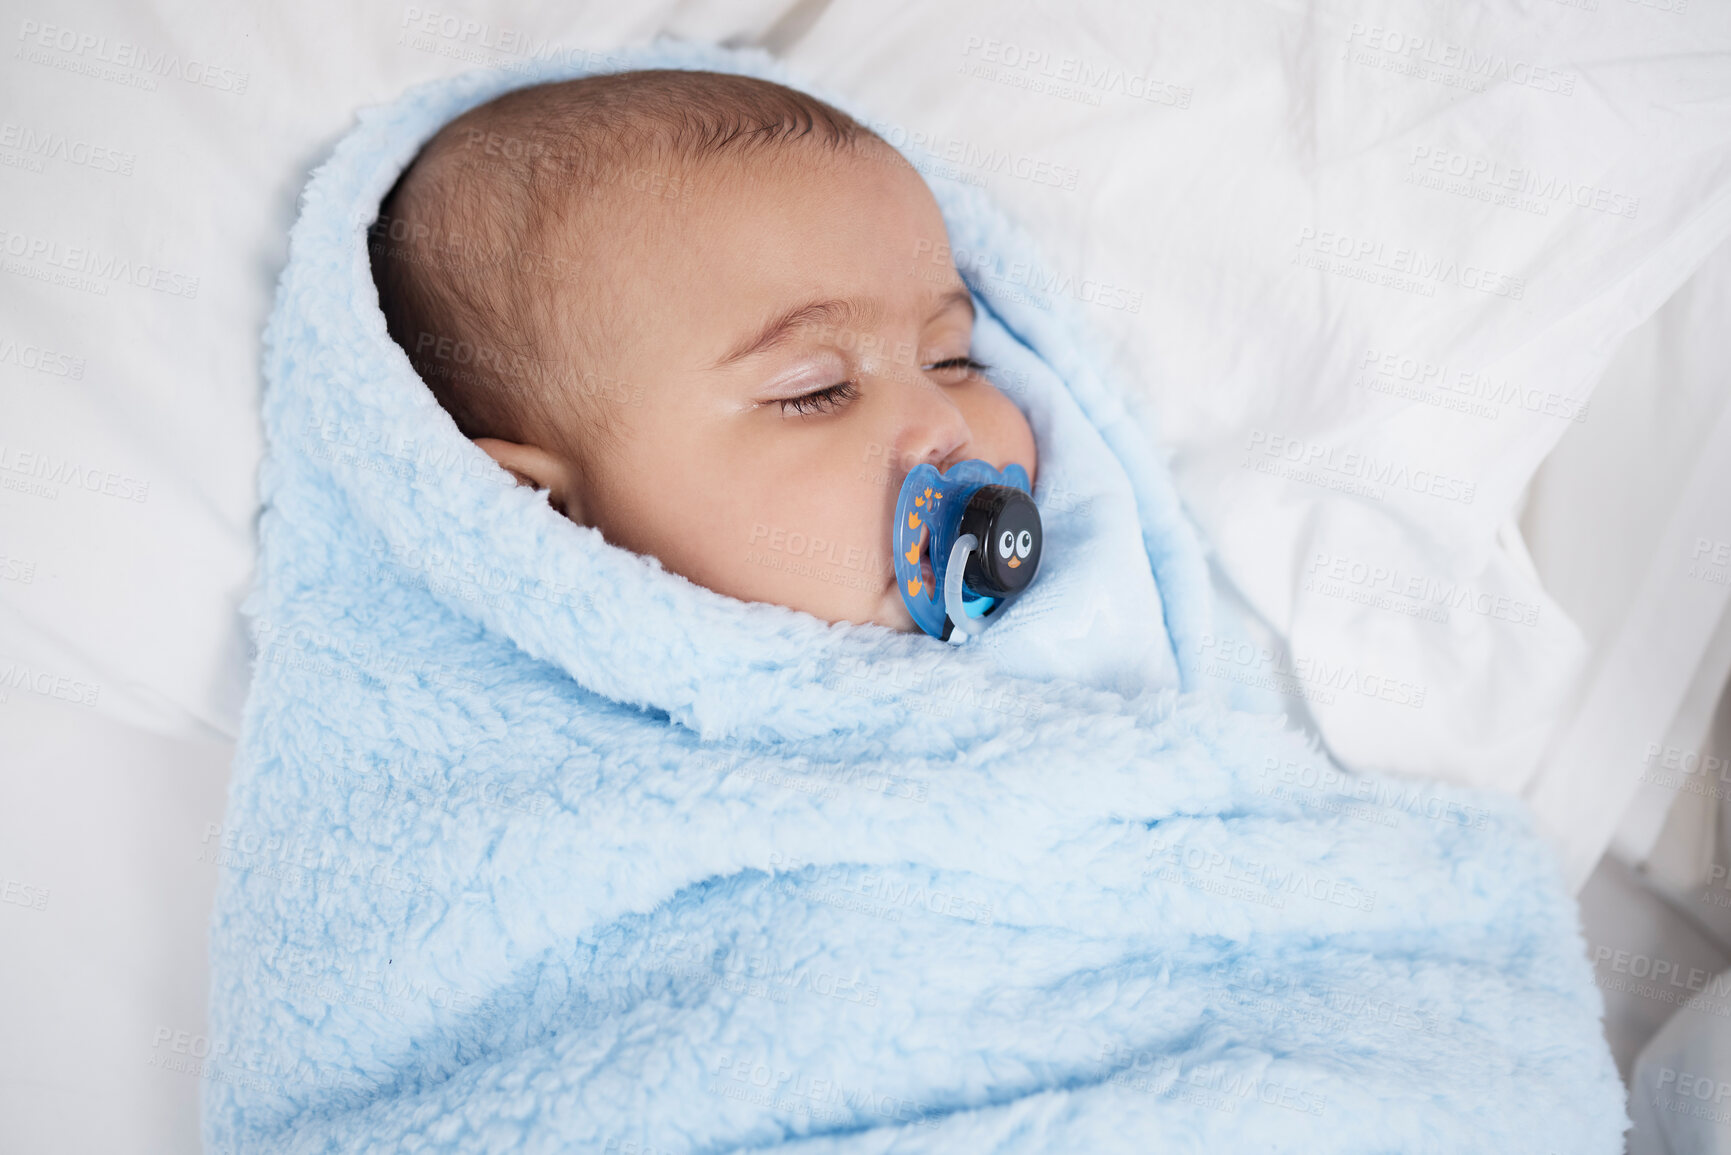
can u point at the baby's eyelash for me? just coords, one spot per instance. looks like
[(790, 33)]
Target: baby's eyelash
[(830, 399), (967, 363), (822, 400)]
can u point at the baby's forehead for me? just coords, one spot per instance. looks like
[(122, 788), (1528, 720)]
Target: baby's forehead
[(548, 152), (570, 201), (600, 130), (550, 193)]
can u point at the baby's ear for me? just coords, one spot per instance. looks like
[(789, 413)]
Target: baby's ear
[(538, 469)]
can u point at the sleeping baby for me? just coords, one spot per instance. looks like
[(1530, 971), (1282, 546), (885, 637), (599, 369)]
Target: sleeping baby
[(695, 322)]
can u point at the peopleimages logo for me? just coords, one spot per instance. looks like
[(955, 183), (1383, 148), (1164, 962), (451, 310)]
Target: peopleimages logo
[(1349, 471), (1375, 583), (982, 266), (85, 51), (102, 267), (1496, 177), (15, 675), (1402, 261), (42, 145), (28, 355), (1444, 62), (968, 155), (1313, 678), (16, 463), (1710, 561), (1474, 391), (459, 37), (1064, 75)]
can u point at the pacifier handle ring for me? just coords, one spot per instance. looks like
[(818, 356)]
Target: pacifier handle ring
[(953, 587)]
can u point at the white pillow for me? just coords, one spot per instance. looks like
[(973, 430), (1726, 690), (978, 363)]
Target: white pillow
[(1367, 260), (150, 160)]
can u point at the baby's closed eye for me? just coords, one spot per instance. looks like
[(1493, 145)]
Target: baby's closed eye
[(966, 364), (826, 400), (834, 397)]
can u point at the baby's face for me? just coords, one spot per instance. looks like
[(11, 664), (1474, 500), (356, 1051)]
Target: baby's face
[(798, 352)]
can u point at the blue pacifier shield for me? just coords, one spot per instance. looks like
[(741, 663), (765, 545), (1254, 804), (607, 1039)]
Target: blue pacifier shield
[(994, 517)]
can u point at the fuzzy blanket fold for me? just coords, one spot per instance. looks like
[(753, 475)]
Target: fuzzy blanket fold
[(533, 846)]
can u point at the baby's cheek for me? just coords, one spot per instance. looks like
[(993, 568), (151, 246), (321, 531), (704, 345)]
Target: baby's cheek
[(829, 527), (1001, 431)]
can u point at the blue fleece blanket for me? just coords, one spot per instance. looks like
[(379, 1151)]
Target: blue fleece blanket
[(533, 846)]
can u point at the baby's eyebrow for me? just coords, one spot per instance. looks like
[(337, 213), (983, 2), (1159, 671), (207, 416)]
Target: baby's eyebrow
[(950, 300), (831, 311), (826, 312)]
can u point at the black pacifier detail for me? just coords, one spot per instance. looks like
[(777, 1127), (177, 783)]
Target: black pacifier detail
[(1007, 524)]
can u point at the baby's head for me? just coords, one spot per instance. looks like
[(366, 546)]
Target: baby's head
[(700, 311)]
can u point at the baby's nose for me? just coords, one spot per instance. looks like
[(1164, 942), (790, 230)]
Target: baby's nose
[(932, 431)]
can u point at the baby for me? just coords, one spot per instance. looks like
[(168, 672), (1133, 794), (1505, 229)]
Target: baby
[(699, 311)]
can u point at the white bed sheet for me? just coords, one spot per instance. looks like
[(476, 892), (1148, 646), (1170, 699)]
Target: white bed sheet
[(1629, 523), (107, 882)]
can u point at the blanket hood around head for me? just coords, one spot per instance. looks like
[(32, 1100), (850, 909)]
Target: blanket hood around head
[(534, 846)]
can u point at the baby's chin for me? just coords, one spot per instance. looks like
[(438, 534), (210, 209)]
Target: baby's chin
[(891, 612), (894, 612)]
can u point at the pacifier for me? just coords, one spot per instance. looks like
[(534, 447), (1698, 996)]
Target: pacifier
[(966, 543)]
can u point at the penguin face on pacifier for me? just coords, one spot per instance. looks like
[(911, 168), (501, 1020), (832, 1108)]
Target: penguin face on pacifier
[(966, 543), (1007, 522)]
